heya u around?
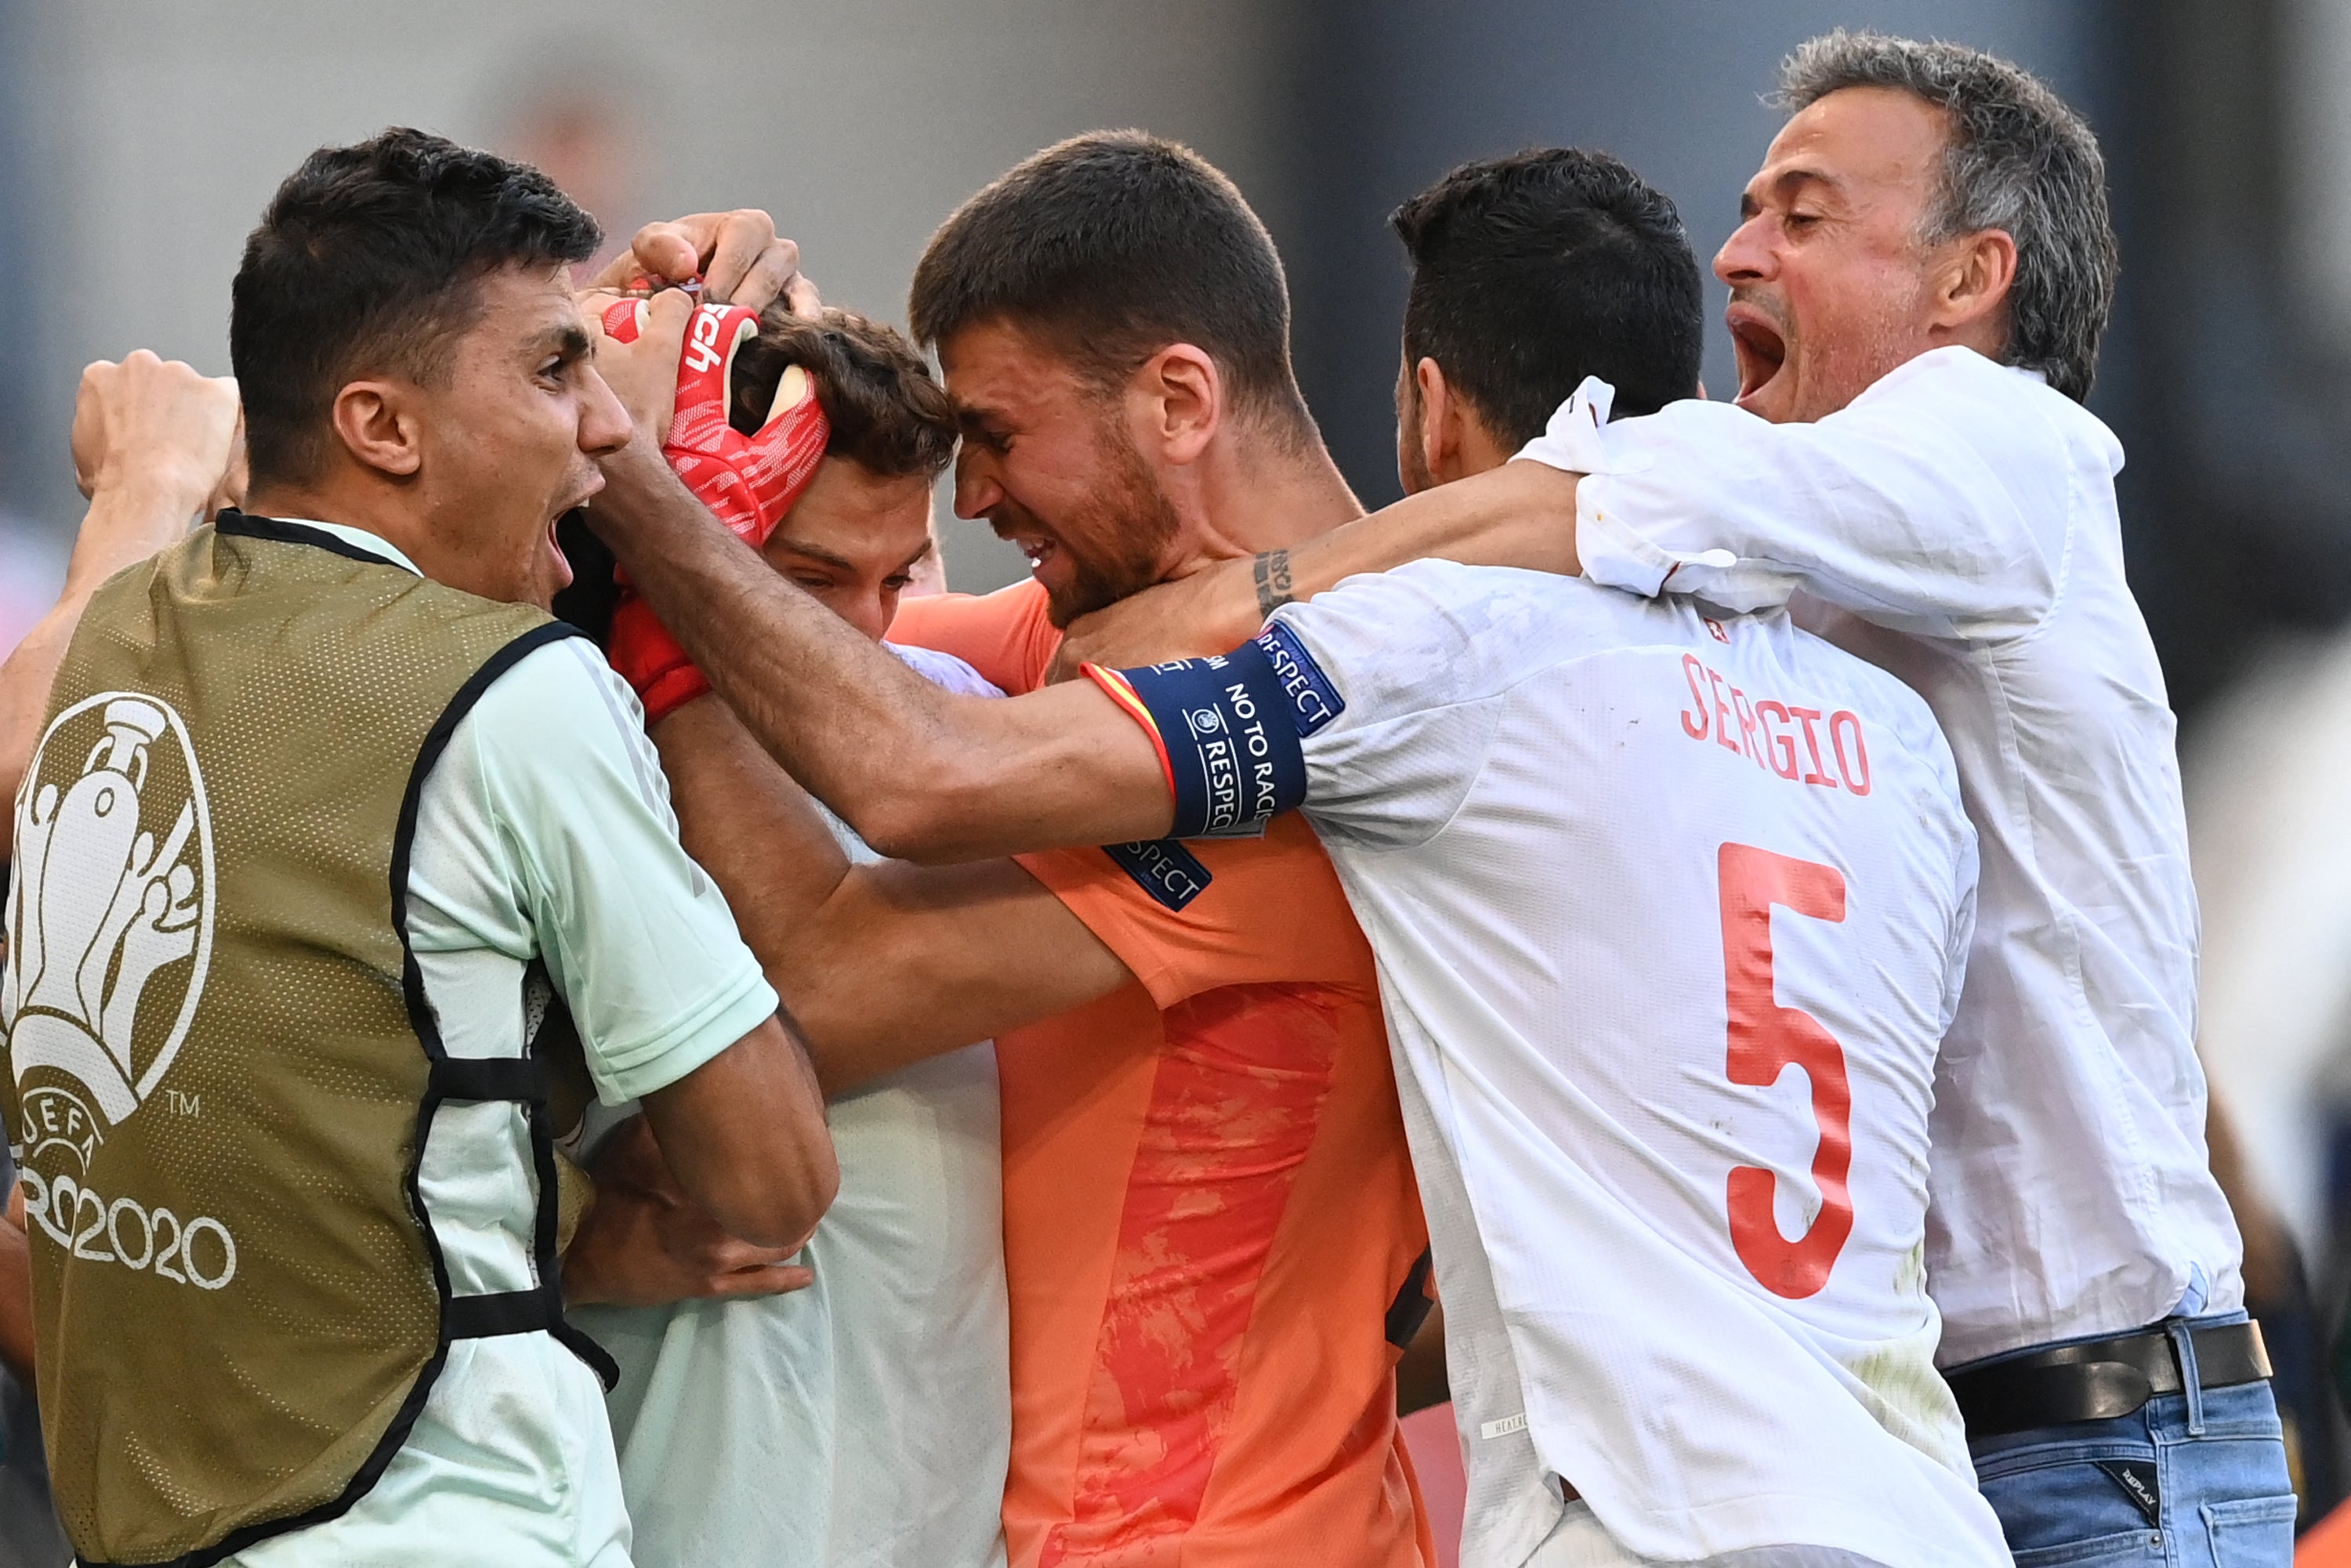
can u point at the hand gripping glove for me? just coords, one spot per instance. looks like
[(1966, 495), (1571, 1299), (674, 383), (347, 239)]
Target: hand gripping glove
[(747, 482)]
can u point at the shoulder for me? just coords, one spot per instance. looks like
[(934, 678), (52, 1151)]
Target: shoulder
[(1184, 915), (552, 721), (1006, 635), (1984, 396), (1470, 632), (558, 694)]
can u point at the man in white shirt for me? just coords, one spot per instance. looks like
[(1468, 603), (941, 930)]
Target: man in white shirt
[(863, 1419), (1565, 815), (1624, 862), (1918, 289)]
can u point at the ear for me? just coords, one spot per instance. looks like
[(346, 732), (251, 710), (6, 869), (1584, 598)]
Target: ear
[(1971, 289), (1177, 399), (378, 423), (1440, 421)]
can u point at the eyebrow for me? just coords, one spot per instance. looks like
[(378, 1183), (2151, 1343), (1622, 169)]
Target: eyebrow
[(1784, 183), (569, 339), (839, 563)]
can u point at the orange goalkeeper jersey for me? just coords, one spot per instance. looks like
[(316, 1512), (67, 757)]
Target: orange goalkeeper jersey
[(1211, 1232)]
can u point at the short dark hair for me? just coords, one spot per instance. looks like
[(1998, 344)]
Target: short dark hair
[(366, 259), (2019, 160), (887, 413), (1533, 271), (1110, 247)]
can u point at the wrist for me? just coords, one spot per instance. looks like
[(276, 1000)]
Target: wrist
[(129, 520), (165, 485), (1269, 572), (633, 478)]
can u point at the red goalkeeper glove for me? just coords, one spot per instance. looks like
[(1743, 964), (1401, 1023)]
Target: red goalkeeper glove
[(749, 482)]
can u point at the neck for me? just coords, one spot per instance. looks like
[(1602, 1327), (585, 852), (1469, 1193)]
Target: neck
[(369, 510), (1258, 496)]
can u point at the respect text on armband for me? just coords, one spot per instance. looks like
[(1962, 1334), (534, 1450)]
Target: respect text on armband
[(1314, 699), (1232, 754)]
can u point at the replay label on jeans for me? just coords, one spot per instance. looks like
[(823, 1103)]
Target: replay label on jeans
[(2136, 1477)]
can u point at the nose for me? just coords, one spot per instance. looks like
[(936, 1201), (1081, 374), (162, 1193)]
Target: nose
[(872, 611), (603, 423), (977, 490), (1747, 256)]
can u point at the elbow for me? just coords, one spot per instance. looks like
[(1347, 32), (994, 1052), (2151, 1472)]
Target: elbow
[(914, 817), (803, 1198), (782, 1206)]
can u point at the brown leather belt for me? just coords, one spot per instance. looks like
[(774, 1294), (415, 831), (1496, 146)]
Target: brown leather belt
[(2103, 1379)]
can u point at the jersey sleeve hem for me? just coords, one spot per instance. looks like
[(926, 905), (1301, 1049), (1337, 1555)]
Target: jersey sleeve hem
[(1097, 903), (628, 1072)]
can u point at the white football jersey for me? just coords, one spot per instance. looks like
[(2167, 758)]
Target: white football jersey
[(865, 1421), (1671, 912)]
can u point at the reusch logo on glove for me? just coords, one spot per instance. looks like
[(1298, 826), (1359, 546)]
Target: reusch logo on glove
[(746, 482), (702, 351)]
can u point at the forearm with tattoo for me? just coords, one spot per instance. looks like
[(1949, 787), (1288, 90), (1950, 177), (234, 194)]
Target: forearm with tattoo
[(1272, 571)]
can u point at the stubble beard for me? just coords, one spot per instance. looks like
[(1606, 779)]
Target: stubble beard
[(1132, 520)]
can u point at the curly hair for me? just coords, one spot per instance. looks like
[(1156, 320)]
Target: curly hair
[(888, 413)]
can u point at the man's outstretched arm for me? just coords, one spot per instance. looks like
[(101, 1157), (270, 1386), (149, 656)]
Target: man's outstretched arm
[(1942, 503), (155, 446), (921, 774), (1521, 514), (882, 964)]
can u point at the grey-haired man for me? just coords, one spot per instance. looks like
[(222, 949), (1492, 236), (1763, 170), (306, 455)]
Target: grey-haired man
[(1922, 271)]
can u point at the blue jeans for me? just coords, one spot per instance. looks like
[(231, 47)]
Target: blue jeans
[(2193, 1479)]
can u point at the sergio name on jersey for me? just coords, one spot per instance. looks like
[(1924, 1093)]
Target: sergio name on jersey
[(1623, 864)]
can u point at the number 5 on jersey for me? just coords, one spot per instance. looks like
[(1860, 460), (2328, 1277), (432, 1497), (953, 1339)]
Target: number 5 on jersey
[(1765, 1040)]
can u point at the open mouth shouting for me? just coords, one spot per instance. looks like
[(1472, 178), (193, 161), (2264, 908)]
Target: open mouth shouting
[(559, 564), (1760, 347)]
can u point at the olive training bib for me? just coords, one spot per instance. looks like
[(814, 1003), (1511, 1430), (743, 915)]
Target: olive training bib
[(222, 1066)]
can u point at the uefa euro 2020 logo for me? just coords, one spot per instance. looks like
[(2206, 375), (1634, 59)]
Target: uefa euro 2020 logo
[(109, 920)]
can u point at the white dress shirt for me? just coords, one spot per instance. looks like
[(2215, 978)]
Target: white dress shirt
[(1971, 509), (1670, 913)]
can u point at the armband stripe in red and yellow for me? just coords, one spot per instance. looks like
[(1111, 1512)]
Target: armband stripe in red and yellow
[(1228, 728), (1121, 691)]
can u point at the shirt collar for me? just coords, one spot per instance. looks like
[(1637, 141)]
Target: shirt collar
[(374, 544)]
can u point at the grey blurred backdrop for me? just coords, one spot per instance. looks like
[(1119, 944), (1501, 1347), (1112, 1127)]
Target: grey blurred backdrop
[(139, 138)]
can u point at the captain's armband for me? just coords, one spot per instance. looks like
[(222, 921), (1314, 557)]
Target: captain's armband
[(1229, 729)]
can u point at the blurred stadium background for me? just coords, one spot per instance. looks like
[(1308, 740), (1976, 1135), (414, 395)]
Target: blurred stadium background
[(139, 139)]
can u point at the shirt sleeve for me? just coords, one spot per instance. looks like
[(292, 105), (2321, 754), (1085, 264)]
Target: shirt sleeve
[(635, 936), (1207, 913), (1371, 706), (1004, 636), (1407, 662), (1940, 503)]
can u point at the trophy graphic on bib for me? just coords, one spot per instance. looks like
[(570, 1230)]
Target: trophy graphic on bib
[(113, 886)]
